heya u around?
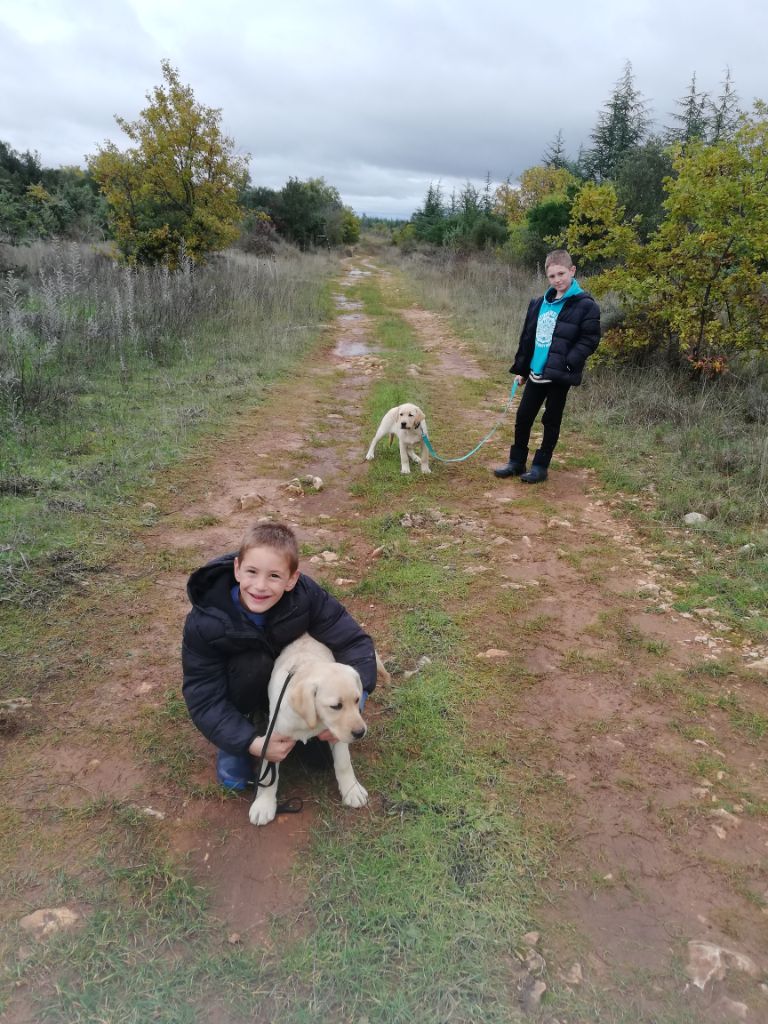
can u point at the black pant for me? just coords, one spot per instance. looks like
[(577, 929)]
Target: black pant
[(552, 396)]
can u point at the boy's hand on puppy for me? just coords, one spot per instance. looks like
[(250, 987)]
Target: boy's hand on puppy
[(327, 735), (278, 749)]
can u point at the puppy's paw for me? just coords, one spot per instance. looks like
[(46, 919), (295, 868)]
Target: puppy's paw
[(369, 457), (405, 469), (262, 810), (356, 796), (425, 469)]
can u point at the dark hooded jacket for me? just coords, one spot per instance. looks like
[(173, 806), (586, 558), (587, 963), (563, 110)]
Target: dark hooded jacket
[(575, 338), (227, 660)]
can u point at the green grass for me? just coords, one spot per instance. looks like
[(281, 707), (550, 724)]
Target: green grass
[(146, 948), (415, 905), (71, 474)]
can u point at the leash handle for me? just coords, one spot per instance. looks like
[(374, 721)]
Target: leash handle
[(487, 437)]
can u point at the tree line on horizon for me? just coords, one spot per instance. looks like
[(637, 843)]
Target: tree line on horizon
[(672, 223), (178, 191), (625, 150)]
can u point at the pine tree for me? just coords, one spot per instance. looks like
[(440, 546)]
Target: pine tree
[(487, 201), (693, 119), (429, 221), (622, 125), (554, 155), (724, 113)]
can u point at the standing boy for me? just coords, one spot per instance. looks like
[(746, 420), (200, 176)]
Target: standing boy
[(246, 608), (560, 332)]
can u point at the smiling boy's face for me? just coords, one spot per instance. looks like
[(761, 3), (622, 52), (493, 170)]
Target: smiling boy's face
[(264, 575), (560, 277)]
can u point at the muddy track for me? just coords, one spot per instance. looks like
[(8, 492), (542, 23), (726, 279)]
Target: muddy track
[(657, 853)]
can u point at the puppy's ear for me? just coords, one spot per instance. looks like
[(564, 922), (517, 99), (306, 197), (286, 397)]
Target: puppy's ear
[(302, 700)]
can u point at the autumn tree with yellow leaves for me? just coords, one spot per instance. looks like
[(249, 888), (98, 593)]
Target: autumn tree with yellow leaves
[(175, 189), (698, 286)]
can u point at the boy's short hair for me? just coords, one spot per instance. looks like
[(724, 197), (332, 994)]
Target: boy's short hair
[(559, 256), (271, 535)]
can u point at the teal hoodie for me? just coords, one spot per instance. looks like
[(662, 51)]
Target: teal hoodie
[(545, 327)]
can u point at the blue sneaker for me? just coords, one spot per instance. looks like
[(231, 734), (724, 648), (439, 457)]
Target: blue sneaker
[(234, 771)]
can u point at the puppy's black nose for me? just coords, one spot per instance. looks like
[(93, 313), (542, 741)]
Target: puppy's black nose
[(359, 733)]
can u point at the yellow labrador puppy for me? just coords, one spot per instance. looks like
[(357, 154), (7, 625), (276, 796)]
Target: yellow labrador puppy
[(406, 423), (322, 694)]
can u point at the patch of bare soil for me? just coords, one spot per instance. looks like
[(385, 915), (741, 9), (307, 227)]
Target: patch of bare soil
[(665, 802), (663, 869)]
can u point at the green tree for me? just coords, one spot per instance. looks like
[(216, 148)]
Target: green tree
[(598, 231), (14, 220), (723, 113), (342, 226), (693, 117), (536, 185), (622, 126), (639, 179), (178, 185), (258, 197), (698, 286), (350, 226), (309, 213), (429, 221), (555, 155)]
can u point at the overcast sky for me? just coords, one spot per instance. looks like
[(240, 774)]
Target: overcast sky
[(379, 97)]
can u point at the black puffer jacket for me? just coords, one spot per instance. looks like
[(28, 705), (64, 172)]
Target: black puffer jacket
[(227, 660), (575, 338)]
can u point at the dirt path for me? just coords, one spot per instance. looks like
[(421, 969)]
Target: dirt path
[(664, 797)]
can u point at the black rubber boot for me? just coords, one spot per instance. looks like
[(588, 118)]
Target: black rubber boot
[(535, 474), (511, 469)]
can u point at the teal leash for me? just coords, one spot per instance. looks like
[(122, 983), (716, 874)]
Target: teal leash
[(487, 437)]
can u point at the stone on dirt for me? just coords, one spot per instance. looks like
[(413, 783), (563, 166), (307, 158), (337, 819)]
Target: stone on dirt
[(48, 921), (732, 1008), (423, 660), (708, 962), (249, 501), (574, 975), (695, 519), (315, 482), (530, 997), (12, 713)]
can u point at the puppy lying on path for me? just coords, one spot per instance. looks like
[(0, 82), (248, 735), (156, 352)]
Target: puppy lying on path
[(322, 694), (406, 423)]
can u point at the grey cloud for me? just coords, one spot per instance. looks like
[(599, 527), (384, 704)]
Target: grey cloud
[(379, 98)]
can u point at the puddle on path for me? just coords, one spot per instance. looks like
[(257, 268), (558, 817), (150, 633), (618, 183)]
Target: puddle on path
[(342, 302), (346, 347), (353, 333)]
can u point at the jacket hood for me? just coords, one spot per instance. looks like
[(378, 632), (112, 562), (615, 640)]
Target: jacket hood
[(212, 583)]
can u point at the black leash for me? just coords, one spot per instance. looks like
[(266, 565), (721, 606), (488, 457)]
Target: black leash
[(295, 804)]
